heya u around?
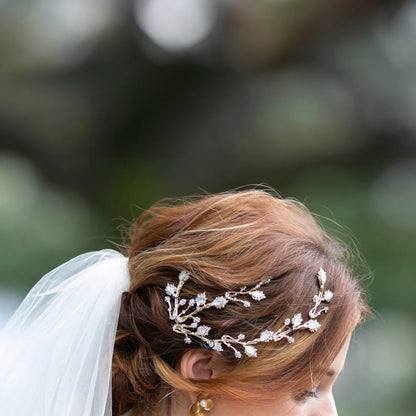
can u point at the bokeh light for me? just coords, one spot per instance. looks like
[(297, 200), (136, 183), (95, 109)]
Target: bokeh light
[(176, 25)]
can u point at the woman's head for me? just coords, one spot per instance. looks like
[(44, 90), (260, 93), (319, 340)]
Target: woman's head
[(225, 242)]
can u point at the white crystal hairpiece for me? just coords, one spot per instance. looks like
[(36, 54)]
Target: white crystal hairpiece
[(184, 313)]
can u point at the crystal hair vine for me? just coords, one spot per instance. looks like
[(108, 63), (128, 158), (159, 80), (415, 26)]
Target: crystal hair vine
[(184, 313)]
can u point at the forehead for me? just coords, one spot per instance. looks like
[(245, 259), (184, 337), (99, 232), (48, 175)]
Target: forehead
[(338, 364), (330, 373)]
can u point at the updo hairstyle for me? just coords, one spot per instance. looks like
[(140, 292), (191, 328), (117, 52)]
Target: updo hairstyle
[(227, 241)]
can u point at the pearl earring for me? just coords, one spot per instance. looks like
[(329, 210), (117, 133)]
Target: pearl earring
[(202, 403)]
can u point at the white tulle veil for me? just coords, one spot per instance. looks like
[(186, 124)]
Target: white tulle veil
[(56, 350)]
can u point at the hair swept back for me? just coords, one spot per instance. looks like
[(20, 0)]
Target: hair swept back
[(226, 241)]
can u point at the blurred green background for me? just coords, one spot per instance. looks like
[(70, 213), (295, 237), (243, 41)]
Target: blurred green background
[(106, 106)]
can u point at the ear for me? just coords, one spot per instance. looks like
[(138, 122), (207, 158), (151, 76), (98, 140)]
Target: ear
[(201, 365)]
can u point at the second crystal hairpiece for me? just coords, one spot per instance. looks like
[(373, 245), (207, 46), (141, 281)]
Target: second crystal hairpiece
[(184, 313)]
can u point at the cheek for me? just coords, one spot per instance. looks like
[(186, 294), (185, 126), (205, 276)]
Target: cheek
[(268, 407), (323, 406), (327, 405)]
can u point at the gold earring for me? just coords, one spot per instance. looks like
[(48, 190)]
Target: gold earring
[(202, 403)]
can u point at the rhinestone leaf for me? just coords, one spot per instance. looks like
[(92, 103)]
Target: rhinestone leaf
[(266, 336), (203, 330), (297, 320), (217, 346), (250, 350), (201, 299), (257, 294), (322, 276), (328, 295), (219, 302), (170, 289), (313, 325), (183, 275)]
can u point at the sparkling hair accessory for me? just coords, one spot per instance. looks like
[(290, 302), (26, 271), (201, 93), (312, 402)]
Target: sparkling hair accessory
[(184, 313)]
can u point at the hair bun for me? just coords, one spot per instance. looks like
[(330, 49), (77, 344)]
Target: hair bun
[(133, 376)]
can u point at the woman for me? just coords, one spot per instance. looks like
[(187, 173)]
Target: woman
[(236, 303)]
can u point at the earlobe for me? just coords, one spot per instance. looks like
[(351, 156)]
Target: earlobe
[(198, 365)]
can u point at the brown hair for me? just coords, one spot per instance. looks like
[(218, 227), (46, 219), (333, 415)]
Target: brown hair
[(226, 241)]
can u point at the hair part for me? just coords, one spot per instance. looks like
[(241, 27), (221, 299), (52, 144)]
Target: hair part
[(227, 241)]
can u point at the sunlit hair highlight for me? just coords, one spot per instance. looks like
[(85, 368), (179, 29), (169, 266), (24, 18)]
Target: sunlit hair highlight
[(226, 241)]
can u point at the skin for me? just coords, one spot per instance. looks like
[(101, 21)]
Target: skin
[(320, 402)]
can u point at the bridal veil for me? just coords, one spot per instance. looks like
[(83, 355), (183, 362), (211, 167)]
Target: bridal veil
[(56, 350)]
